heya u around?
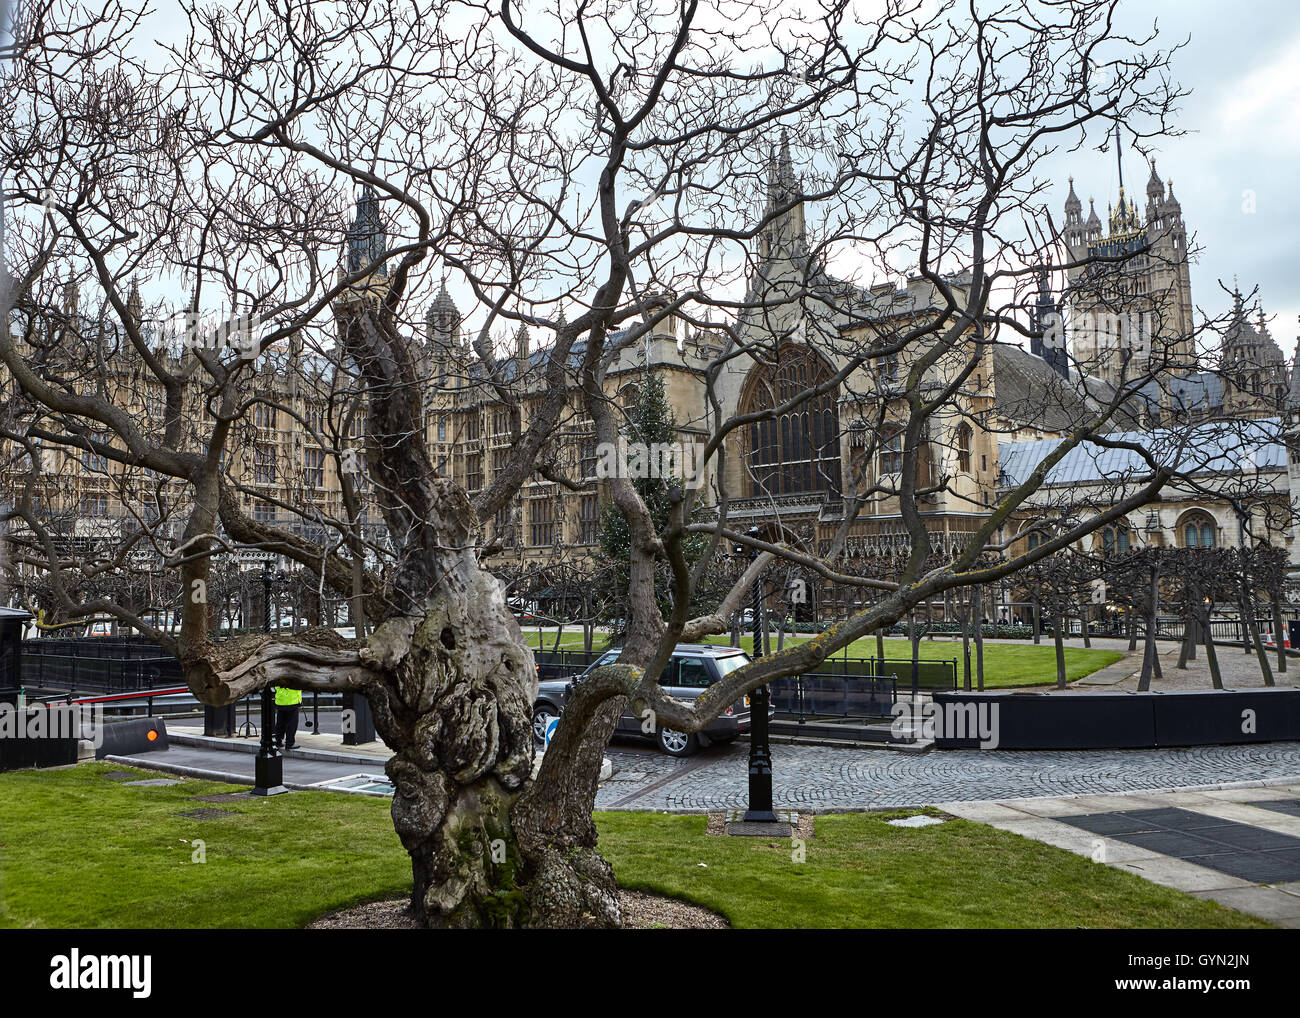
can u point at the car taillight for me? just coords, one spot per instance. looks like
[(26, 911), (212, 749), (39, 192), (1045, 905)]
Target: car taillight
[(729, 711)]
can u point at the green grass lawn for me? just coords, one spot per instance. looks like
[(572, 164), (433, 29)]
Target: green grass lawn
[(861, 873), (80, 851), (1005, 664)]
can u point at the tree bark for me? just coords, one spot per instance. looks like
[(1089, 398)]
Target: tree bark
[(1279, 634), (1059, 640), (965, 640), (1189, 641), (457, 713), (1260, 653), (1211, 658), (1150, 654)]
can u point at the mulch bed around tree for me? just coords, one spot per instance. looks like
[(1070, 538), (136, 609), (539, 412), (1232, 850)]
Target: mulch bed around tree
[(641, 911)]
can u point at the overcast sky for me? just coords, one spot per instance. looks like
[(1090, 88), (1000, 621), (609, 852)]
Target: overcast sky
[(1235, 172), (1242, 62)]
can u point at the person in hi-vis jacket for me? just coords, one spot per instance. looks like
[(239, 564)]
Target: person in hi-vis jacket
[(287, 702)]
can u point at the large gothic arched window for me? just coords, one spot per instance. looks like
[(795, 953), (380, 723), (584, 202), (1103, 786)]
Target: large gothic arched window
[(798, 451)]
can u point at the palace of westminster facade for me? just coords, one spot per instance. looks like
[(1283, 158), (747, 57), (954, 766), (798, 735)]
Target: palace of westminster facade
[(787, 475)]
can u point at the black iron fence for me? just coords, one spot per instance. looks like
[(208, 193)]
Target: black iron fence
[(854, 687), (1173, 627), (99, 665), (815, 695)]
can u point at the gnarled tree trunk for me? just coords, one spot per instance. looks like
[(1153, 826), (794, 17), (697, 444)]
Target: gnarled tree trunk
[(456, 709)]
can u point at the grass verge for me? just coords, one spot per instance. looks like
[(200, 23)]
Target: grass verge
[(1006, 665), (80, 851), (861, 873)]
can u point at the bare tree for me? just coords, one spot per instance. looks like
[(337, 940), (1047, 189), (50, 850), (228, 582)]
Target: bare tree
[(597, 176)]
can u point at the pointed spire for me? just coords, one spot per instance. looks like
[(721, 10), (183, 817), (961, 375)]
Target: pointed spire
[(71, 296), (1293, 396), (366, 238), (1072, 203), (1171, 203), (443, 318), (134, 306), (785, 165), (784, 236), (1155, 187), (523, 345)]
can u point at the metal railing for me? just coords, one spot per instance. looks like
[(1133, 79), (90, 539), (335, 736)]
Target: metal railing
[(87, 672), (929, 673), (815, 695)]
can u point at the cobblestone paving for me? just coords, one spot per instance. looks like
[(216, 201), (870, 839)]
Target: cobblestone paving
[(824, 779)]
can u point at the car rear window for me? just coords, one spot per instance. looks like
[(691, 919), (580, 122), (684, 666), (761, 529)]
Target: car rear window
[(694, 674), (608, 658), (732, 662)]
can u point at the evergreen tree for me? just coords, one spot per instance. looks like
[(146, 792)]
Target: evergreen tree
[(650, 422)]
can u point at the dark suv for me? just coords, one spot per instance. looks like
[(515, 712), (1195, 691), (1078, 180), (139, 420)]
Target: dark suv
[(691, 670)]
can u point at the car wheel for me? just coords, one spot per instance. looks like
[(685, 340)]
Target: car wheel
[(676, 743), (543, 715)]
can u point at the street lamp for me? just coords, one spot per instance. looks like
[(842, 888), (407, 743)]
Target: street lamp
[(268, 769), (760, 753)]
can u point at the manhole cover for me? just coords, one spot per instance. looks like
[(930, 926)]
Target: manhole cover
[(207, 813), (152, 782), (223, 797), (786, 824), (120, 775)]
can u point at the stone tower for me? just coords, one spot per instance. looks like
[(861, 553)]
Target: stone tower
[(1254, 370), (1135, 302), (366, 237), (1048, 340)]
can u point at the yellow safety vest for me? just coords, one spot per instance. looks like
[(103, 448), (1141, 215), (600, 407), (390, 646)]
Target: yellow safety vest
[(287, 697)]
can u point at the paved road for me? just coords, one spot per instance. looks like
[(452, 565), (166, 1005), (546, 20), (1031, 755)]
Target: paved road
[(296, 771), (824, 779)]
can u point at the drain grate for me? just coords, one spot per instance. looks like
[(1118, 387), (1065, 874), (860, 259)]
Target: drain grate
[(207, 813)]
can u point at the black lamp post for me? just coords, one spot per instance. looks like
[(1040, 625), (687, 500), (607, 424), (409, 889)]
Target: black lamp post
[(268, 769), (760, 753)]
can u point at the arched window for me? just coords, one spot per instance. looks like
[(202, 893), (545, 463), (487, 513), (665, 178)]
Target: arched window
[(1115, 539), (1197, 531), (799, 451), (891, 450), (964, 436)]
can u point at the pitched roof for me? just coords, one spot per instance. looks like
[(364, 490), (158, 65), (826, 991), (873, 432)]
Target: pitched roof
[(1029, 392), (1213, 447)]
